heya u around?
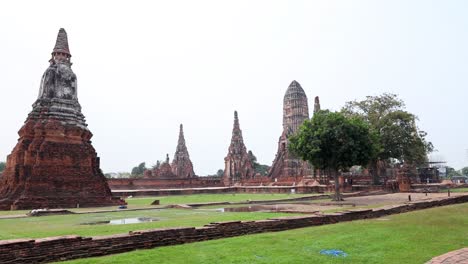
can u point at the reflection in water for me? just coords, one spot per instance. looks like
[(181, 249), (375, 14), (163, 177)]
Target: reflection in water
[(124, 221)]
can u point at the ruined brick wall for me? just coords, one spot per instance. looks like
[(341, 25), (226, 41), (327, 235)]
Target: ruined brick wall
[(72, 247), (156, 183), (123, 192)]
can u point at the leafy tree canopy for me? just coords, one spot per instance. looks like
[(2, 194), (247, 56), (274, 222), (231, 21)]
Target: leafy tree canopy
[(451, 172), (399, 137), (464, 171), (332, 142), (139, 170), (2, 166), (259, 168)]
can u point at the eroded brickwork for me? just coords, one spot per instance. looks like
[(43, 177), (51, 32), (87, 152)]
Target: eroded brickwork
[(54, 164), (182, 166), (237, 164), (295, 111), (316, 104)]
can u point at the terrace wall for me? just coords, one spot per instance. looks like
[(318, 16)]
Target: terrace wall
[(196, 182), (240, 189), (72, 247)]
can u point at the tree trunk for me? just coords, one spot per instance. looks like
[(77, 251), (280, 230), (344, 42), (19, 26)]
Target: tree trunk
[(337, 186), (375, 172)]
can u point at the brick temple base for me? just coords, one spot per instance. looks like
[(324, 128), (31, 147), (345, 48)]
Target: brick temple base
[(53, 166)]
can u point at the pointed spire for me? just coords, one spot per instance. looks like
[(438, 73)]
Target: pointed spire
[(181, 142), (236, 121), (61, 45), (316, 104), (236, 133), (237, 162), (181, 165)]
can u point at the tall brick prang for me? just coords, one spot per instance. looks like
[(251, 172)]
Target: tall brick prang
[(54, 164), (316, 104), (295, 111), (238, 165), (182, 166)]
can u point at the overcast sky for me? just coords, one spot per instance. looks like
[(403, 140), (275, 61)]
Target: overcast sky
[(144, 67)]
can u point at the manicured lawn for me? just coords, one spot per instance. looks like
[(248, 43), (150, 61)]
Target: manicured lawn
[(405, 238), (204, 198), (44, 226), (16, 212), (458, 190)]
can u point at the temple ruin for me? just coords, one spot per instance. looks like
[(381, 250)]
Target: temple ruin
[(182, 166), (54, 164), (316, 104), (237, 163), (295, 111)]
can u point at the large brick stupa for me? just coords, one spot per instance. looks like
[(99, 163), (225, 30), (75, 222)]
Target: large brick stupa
[(54, 165)]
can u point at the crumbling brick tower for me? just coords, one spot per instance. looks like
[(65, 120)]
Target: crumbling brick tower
[(237, 164), (54, 164), (182, 166), (295, 111)]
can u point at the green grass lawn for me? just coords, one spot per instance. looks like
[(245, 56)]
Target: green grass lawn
[(45, 226), (405, 238), (204, 198), (457, 190)]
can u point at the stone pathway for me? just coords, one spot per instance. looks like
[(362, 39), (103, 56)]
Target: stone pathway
[(458, 256)]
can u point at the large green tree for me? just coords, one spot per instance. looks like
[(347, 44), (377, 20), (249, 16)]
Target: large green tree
[(399, 137), (2, 166), (451, 172), (259, 168), (464, 171), (138, 170), (332, 142)]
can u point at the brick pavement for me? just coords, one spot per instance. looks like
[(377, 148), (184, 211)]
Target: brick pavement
[(458, 256)]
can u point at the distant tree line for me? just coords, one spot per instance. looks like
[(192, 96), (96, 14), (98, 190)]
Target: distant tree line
[(259, 168), (137, 172), (451, 172)]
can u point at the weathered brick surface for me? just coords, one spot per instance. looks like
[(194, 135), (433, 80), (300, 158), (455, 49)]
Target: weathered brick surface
[(295, 111), (72, 247), (156, 183), (182, 166), (54, 164), (237, 164), (119, 188)]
